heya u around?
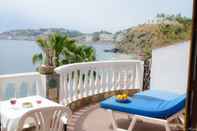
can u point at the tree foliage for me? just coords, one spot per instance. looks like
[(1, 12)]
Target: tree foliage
[(174, 28), (58, 49)]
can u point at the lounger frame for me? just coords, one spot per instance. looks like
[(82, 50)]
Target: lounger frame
[(165, 122)]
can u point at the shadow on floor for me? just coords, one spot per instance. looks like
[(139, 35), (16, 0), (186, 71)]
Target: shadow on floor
[(97, 119)]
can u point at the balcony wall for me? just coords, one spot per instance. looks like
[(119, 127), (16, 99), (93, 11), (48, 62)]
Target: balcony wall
[(21, 85), (77, 81)]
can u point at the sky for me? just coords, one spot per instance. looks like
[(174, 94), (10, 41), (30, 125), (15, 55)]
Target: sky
[(85, 15)]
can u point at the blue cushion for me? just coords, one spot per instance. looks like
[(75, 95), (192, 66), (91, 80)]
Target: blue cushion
[(145, 105), (159, 94)]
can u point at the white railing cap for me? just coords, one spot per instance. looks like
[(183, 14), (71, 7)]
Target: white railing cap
[(19, 75), (58, 69)]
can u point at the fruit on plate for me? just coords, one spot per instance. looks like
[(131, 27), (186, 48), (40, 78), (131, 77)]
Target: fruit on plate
[(122, 97)]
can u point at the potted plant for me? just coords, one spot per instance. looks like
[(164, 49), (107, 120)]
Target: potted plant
[(45, 59)]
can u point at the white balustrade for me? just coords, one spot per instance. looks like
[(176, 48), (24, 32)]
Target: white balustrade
[(20, 85), (77, 80), (85, 79)]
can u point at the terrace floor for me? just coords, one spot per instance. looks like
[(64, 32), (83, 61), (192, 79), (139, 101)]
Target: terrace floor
[(94, 118)]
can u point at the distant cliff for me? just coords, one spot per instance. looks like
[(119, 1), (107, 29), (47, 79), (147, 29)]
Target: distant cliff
[(165, 30)]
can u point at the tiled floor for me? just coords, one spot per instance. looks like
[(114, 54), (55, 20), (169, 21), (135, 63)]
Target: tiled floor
[(93, 118)]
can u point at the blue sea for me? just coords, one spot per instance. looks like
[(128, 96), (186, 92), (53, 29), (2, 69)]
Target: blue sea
[(16, 55)]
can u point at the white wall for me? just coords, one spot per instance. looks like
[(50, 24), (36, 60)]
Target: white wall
[(170, 68)]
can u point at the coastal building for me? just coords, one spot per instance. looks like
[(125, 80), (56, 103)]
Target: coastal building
[(106, 37), (88, 38)]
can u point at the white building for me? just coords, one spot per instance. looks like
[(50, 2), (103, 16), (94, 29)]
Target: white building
[(106, 37)]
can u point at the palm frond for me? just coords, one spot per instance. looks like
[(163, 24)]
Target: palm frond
[(42, 42), (37, 58)]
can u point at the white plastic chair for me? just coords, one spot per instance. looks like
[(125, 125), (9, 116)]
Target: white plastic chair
[(45, 119), (4, 128)]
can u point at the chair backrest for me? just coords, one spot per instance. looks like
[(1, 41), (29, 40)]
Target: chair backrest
[(44, 119), (169, 69)]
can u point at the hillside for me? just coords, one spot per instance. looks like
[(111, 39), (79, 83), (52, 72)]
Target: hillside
[(165, 30), (32, 34)]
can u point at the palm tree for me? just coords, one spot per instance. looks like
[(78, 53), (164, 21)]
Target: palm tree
[(59, 49), (75, 54)]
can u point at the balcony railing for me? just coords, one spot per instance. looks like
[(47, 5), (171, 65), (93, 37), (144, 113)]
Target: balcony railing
[(20, 85), (91, 78), (77, 80)]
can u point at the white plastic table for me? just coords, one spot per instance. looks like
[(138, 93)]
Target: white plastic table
[(11, 114)]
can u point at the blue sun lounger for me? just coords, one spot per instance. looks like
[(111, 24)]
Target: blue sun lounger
[(151, 106)]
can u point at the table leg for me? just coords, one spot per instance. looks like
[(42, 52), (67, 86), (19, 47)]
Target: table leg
[(114, 124)]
